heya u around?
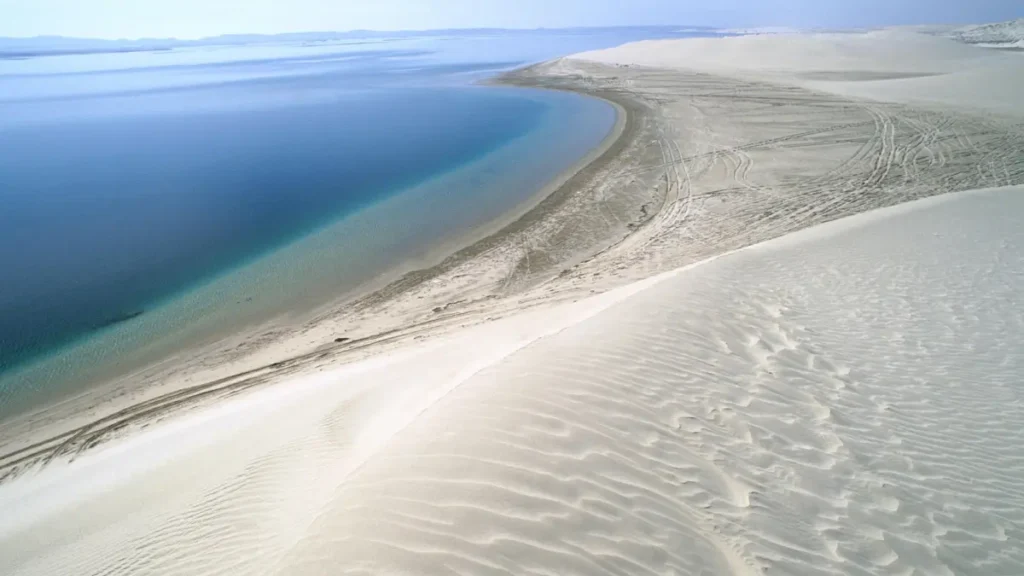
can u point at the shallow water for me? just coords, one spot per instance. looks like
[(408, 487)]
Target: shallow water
[(151, 199)]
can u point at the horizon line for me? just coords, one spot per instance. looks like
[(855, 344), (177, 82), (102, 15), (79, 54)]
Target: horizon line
[(359, 31)]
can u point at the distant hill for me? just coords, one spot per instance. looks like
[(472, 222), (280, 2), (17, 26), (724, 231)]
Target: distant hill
[(997, 35)]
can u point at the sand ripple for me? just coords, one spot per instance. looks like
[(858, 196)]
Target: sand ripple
[(846, 400)]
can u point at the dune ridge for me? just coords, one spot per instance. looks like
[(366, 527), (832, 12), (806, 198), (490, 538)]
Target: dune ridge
[(703, 163), (742, 417), (841, 400), (787, 348), (997, 34), (895, 65)]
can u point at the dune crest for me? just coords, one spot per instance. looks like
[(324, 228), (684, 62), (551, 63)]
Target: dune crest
[(896, 65), (739, 343), (841, 400)]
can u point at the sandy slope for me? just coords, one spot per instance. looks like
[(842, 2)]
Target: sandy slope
[(998, 34), (707, 162), (895, 65), (839, 400), (843, 400)]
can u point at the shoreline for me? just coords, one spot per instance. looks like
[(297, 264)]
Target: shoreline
[(773, 331), (470, 244), (705, 164), (88, 418), (194, 339)]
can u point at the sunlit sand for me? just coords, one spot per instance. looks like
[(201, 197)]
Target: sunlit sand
[(777, 329)]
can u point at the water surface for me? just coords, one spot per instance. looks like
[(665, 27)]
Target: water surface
[(155, 199)]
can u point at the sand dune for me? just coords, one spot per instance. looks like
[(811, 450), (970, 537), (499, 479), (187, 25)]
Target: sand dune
[(997, 34), (892, 51), (743, 395), (705, 162), (844, 400), (896, 65)]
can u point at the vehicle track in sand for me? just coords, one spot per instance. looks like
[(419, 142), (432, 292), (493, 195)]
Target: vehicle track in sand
[(707, 164), (766, 160)]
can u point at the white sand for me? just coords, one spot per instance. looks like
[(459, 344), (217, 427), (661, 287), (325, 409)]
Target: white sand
[(997, 34), (719, 160), (843, 400), (897, 65)]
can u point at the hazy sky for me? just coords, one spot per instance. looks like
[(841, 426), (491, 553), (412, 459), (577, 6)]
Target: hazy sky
[(196, 18)]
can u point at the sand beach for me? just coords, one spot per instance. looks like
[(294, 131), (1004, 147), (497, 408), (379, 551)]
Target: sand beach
[(772, 325)]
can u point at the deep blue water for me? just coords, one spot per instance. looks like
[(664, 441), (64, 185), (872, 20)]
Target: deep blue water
[(103, 217), (131, 182)]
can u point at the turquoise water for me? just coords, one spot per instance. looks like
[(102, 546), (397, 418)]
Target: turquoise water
[(153, 201)]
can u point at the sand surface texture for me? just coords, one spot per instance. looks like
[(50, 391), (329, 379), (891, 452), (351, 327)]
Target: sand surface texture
[(893, 65), (709, 159), (845, 400), (595, 388), (1006, 35)]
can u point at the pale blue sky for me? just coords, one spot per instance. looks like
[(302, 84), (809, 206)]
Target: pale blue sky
[(197, 18)]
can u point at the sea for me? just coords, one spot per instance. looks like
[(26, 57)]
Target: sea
[(151, 199)]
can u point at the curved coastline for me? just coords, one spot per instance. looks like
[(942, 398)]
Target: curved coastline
[(544, 203), (105, 406), (720, 350)]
